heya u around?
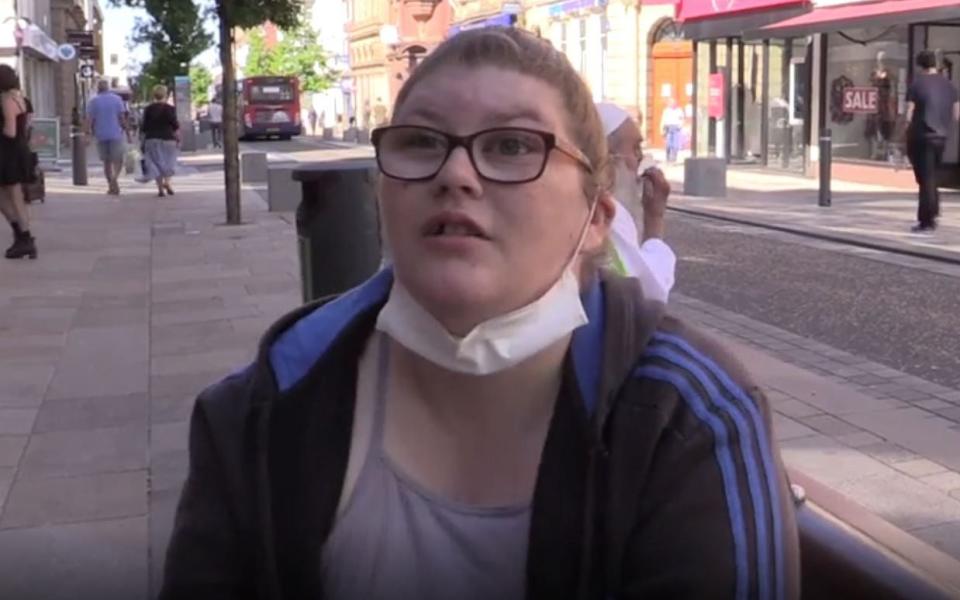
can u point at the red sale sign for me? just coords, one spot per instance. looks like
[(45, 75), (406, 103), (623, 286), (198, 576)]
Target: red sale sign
[(715, 96), (860, 100)]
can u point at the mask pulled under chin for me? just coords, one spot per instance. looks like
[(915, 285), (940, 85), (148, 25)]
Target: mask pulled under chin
[(494, 345)]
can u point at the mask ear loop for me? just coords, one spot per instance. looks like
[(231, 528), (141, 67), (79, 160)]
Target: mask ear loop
[(583, 234)]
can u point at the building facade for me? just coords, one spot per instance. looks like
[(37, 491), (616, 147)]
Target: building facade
[(117, 62), (627, 52), (68, 15), (385, 41), (328, 18), (27, 46)]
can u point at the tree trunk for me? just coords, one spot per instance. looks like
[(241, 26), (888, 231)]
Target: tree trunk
[(231, 142)]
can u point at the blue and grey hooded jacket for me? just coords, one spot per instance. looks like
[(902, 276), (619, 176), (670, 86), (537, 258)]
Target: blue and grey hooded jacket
[(659, 478)]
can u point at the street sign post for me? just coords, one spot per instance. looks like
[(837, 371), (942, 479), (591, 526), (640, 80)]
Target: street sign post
[(83, 42)]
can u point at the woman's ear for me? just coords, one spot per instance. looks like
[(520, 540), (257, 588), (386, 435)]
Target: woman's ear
[(599, 230), (606, 208)]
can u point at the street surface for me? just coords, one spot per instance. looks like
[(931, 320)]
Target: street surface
[(900, 316)]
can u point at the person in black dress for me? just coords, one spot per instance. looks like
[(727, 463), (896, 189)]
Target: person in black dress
[(161, 133), (15, 165)]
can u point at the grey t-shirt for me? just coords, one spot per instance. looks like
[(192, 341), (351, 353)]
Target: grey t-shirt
[(933, 96), (397, 540)]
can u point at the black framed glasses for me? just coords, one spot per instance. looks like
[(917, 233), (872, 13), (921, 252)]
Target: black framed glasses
[(500, 155)]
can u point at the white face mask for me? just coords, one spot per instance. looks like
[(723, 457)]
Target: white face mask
[(498, 343)]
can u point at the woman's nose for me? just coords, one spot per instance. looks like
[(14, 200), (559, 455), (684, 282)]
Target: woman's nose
[(458, 172)]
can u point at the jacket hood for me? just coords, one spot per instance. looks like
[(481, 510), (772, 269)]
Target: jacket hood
[(302, 338)]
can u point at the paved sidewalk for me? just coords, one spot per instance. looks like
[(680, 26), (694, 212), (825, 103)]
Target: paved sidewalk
[(136, 303), (868, 215)]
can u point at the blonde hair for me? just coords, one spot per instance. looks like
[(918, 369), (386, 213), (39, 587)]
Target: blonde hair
[(159, 93), (523, 52)]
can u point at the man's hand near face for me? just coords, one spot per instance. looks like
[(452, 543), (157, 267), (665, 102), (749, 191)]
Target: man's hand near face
[(656, 192)]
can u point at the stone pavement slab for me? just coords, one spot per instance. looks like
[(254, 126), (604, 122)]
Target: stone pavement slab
[(97, 559), (11, 449), (84, 414), (24, 385), (863, 214), (65, 453), (35, 502)]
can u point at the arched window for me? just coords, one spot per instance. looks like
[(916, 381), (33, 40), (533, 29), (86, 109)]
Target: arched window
[(668, 31)]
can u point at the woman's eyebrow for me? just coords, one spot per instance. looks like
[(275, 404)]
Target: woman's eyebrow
[(496, 115)]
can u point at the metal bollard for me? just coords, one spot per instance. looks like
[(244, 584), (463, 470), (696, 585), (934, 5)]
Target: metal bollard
[(79, 165), (826, 160)]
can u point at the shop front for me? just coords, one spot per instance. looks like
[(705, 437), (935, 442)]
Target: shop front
[(38, 69), (751, 96), (868, 52)]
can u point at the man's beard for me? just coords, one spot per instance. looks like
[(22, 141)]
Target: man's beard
[(626, 189)]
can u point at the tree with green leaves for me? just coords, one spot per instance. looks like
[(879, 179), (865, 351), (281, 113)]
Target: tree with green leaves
[(174, 32), (230, 14), (297, 52), (200, 81)]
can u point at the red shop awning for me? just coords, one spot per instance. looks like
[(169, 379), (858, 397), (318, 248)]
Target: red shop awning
[(861, 14)]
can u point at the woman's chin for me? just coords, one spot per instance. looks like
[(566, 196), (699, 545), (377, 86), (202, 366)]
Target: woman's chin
[(459, 291)]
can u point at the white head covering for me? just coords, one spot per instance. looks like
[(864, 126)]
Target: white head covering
[(611, 116)]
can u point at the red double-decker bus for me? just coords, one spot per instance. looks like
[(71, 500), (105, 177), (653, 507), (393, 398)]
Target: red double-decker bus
[(269, 106)]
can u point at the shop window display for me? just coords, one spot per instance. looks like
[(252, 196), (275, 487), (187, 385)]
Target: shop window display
[(788, 76), (867, 82)]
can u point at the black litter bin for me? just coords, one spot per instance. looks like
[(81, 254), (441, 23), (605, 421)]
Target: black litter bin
[(338, 226)]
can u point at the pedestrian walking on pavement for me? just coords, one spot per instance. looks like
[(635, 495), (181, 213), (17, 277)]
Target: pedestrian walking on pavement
[(215, 115), (312, 119), (107, 122), (380, 113), (492, 415), (16, 164), (671, 125), (637, 229), (933, 108), (161, 133)]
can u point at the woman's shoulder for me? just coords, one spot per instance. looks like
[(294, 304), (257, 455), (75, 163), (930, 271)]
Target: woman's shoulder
[(700, 370)]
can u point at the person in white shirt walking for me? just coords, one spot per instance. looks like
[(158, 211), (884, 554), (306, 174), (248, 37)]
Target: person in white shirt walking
[(638, 223), (671, 124), (215, 114)]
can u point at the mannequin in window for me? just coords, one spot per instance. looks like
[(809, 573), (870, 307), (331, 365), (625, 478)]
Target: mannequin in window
[(881, 126)]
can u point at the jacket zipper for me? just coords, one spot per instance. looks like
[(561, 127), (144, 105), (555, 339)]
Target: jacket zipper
[(598, 453), (271, 584)]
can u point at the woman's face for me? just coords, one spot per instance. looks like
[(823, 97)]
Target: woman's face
[(469, 249)]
